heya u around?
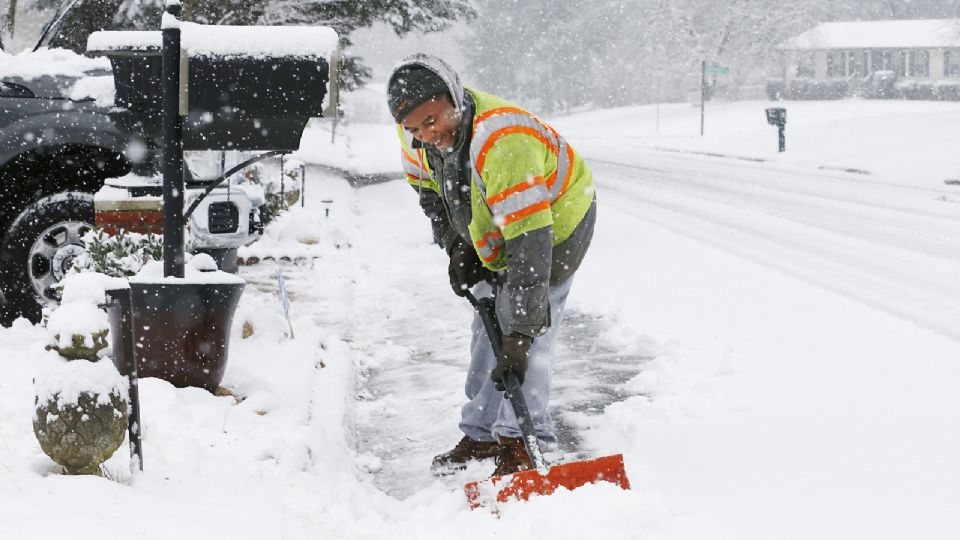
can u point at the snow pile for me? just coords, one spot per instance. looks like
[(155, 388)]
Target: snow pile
[(64, 380), (99, 89), (52, 62), (897, 34), (77, 319), (220, 40), (89, 288), (79, 315), (316, 230), (198, 269), (260, 41)]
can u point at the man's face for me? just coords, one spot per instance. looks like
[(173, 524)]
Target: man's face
[(434, 122)]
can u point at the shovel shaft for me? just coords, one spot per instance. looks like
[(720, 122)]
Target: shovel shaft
[(520, 410), (486, 308)]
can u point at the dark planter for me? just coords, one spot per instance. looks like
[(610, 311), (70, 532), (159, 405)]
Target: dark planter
[(182, 331)]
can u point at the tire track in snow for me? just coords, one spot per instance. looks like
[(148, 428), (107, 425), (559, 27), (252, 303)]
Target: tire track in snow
[(907, 269)]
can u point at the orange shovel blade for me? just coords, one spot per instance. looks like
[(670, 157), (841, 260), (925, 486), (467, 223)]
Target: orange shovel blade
[(571, 475)]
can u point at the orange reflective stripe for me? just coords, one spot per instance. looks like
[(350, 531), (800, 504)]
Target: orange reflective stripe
[(482, 156), (414, 162), (489, 246), (551, 180), (523, 186), (532, 209), (499, 110)]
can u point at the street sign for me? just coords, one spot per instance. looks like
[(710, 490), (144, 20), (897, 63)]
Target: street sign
[(722, 70)]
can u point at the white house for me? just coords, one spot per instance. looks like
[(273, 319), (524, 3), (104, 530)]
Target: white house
[(925, 50)]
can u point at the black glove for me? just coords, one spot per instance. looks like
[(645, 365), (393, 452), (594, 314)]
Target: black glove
[(465, 268), (513, 357)]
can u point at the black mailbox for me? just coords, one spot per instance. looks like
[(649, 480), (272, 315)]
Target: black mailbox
[(776, 116), (235, 101)]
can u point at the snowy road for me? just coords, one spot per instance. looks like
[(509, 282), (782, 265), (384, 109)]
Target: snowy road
[(890, 246)]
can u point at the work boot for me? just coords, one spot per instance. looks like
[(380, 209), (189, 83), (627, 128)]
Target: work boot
[(512, 457), (465, 450)]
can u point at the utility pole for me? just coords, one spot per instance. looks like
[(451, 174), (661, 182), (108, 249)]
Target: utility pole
[(703, 91), (9, 22)]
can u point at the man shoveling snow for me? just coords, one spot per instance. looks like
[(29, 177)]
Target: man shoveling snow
[(514, 207)]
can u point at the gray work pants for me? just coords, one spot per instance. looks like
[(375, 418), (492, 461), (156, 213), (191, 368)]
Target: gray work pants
[(487, 416)]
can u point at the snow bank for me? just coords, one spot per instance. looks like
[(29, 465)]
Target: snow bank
[(195, 270), (30, 65), (63, 380)]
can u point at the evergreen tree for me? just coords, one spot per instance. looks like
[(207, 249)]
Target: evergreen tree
[(345, 16)]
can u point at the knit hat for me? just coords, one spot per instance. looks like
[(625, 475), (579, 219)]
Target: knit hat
[(410, 86)]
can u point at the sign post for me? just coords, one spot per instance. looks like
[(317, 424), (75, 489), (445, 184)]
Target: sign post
[(713, 69), (703, 91)]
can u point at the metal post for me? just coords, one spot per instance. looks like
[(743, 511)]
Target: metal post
[(172, 143), (703, 91), (123, 300), (783, 138), (282, 197), (303, 185)]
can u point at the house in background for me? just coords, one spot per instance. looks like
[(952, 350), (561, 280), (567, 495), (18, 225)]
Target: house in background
[(917, 59)]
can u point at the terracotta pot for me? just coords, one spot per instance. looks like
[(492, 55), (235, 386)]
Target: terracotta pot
[(182, 331)]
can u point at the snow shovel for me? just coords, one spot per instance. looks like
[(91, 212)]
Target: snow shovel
[(540, 480)]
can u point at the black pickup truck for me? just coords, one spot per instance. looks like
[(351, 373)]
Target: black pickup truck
[(55, 152), (58, 145)]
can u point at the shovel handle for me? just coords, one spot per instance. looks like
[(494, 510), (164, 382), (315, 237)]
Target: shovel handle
[(486, 308)]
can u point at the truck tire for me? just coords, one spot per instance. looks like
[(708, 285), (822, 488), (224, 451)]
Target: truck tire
[(37, 251)]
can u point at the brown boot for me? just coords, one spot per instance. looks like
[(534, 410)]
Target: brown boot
[(465, 450), (512, 457)]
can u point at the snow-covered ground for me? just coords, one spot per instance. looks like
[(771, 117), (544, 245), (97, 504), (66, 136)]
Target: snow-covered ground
[(772, 346)]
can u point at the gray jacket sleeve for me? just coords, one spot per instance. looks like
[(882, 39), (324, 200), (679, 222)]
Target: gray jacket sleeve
[(533, 263), (523, 300)]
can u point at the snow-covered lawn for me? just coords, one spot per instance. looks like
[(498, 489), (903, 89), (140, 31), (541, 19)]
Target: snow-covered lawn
[(781, 380)]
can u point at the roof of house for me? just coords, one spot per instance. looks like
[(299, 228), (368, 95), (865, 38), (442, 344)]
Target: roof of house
[(896, 34)]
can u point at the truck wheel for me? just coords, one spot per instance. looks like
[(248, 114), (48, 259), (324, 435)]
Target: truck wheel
[(38, 250)]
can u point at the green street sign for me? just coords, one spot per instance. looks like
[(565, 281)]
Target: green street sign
[(723, 70)]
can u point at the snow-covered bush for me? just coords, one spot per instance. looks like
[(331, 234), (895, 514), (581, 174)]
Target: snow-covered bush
[(121, 255), (947, 90), (275, 202), (80, 415)]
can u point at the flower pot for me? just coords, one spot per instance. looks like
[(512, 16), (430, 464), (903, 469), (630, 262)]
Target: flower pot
[(182, 331), (83, 434)]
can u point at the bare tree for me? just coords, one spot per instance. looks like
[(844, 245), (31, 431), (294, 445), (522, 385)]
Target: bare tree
[(8, 23)]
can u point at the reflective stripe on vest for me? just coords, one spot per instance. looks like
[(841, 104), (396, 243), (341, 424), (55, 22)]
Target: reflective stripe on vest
[(414, 168), (489, 246), (489, 126), (519, 201)]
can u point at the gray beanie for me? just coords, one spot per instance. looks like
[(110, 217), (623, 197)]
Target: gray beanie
[(411, 86)]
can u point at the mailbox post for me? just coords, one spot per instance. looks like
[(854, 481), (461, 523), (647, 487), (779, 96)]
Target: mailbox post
[(172, 143), (777, 116)]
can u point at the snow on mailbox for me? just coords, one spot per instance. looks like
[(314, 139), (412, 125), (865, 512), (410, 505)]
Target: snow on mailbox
[(243, 87)]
